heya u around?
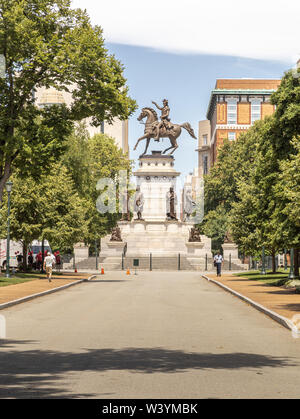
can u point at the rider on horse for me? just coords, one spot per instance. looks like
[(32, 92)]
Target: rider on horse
[(165, 120)]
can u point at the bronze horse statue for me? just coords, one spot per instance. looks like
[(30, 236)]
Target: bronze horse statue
[(150, 130)]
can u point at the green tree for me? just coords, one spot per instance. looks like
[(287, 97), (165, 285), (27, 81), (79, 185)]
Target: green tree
[(250, 189), (48, 208), (89, 160), (244, 221), (46, 43), (234, 164), (215, 225), (285, 139), (287, 114), (287, 213)]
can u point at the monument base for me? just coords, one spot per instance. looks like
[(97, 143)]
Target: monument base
[(157, 240), (230, 253)]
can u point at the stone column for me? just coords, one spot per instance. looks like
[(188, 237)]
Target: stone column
[(155, 176), (81, 252), (231, 249)]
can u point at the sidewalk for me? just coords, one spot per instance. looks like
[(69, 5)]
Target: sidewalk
[(277, 299), (36, 286)]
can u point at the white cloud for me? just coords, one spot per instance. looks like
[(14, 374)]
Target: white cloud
[(264, 29)]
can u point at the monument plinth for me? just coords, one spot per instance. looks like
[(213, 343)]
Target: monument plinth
[(155, 233), (156, 230), (155, 176)]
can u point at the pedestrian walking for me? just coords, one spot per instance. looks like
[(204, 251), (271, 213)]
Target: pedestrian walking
[(218, 261), (48, 263), (20, 261), (30, 259)]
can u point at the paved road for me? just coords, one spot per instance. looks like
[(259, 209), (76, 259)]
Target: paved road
[(155, 335)]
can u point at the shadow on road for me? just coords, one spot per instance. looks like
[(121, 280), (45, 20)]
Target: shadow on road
[(42, 373)]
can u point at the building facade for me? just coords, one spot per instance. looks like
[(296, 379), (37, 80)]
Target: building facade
[(118, 130), (234, 106)]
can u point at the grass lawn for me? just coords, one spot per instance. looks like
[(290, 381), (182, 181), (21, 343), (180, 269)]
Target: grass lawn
[(18, 278), (272, 279)]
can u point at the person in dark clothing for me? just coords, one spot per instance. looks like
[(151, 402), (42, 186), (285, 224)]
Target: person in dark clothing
[(218, 260)]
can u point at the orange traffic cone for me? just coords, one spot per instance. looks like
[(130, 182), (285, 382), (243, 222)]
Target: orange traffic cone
[(128, 271), (102, 271)]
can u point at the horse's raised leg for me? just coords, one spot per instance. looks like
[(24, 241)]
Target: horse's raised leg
[(147, 145), (174, 148), (174, 145), (141, 138), (169, 148)]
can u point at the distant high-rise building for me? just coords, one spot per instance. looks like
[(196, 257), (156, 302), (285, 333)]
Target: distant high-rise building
[(117, 130), (234, 106)]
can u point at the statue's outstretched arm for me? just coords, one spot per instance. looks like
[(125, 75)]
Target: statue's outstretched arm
[(158, 107)]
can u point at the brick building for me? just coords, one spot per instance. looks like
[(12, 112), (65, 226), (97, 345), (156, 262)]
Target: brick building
[(235, 104)]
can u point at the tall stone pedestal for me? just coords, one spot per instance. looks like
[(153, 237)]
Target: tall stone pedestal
[(231, 250), (155, 176), (155, 235), (81, 252), (230, 253)]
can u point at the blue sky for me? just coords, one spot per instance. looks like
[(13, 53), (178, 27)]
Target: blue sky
[(186, 81), (177, 50)]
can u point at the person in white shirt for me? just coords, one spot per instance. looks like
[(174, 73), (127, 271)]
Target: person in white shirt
[(218, 260), (48, 263), (53, 259)]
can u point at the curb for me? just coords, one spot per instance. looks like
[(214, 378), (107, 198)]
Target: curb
[(40, 294), (275, 316), (91, 277)]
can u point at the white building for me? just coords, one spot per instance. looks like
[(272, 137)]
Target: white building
[(118, 130)]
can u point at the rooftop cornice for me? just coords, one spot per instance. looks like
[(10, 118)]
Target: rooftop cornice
[(215, 92), (244, 91)]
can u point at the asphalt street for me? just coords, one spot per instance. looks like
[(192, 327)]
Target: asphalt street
[(151, 335)]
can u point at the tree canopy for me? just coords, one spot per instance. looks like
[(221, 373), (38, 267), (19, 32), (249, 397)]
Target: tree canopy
[(46, 43), (89, 160), (253, 190)]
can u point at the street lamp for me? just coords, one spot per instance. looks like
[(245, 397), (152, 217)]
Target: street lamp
[(8, 185), (96, 252), (285, 260), (263, 268), (291, 273)]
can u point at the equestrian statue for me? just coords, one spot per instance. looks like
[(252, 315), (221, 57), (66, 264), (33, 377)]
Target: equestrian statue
[(161, 129)]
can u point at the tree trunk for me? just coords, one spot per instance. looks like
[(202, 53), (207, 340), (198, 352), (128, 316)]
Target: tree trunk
[(296, 262), (25, 248), (273, 263)]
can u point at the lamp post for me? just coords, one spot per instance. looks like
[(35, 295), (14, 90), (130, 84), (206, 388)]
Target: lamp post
[(291, 273), (263, 268), (285, 260), (96, 253), (8, 185)]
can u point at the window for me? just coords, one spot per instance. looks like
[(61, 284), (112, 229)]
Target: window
[(204, 139), (205, 165), (231, 136), (255, 111), (231, 112)]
